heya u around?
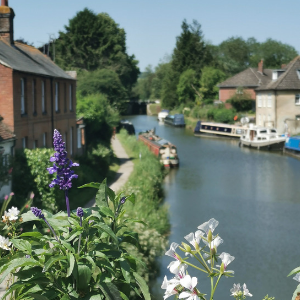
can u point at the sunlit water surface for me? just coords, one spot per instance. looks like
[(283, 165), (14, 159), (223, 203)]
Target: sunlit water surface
[(253, 194)]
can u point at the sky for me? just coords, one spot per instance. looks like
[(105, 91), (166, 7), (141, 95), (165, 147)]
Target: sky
[(152, 26)]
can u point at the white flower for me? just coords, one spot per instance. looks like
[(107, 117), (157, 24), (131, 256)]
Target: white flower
[(297, 277), (226, 260), (5, 216), (236, 290), (175, 266), (215, 243), (189, 283), (209, 225), (4, 243), (171, 252), (169, 286), (246, 291), (13, 213), (194, 239)]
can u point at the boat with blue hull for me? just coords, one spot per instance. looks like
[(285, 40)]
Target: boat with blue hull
[(218, 130), (292, 145), (175, 120)]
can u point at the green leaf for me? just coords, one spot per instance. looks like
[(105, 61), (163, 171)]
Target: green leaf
[(77, 233), (18, 263), (22, 245), (90, 259), (131, 198), (40, 297), (135, 221), (95, 185), (143, 285), (110, 291), (31, 234), (107, 211), (111, 194), (107, 229), (124, 297), (295, 271), (84, 277), (71, 260), (130, 238), (52, 261), (101, 196), (125, 268)]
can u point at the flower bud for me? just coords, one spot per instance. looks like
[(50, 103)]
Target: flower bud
[(186, 247), (209, 236), (222, 268)]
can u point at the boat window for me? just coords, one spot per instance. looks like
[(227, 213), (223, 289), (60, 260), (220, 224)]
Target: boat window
[(263, 131), (239, 131), (273, 131)]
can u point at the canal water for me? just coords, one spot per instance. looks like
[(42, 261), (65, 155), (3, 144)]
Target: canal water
[(255, 197)]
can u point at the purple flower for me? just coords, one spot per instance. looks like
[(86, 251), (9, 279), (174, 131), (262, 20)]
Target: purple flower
[(61, 164), (37, 212), (6, 197), (123, 199), (27, 256), (91, 221), (79, 212)]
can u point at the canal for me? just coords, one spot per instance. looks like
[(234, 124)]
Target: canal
[(255, 197)]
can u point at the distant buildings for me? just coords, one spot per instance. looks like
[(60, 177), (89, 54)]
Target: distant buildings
[(277, 94)]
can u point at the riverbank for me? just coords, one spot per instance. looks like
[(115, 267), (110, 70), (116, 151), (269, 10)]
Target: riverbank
[(146, 183)]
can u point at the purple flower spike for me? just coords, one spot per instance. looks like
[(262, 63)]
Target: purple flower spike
[(37, 212), (80, 212), (123, 200), (61, 164)]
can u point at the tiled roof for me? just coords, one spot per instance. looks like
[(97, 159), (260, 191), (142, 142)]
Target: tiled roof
[(28, 59), (248, 78), (289, 80), (5, 133)]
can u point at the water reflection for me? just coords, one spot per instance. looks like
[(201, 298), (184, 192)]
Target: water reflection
[(253, 194)]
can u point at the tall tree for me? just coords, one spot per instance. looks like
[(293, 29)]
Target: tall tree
[(185, 90), (190, 51), (169, 96), (91, 42)]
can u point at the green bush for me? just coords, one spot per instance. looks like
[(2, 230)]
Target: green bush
[(221, 115)]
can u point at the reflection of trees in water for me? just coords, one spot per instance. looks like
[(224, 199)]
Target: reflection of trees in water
[(169, 179)]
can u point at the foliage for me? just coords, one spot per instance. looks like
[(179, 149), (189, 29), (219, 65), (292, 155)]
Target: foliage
[(241, 100), (221, 115), (206, 256), (210, 77), (102, 81), (96, 42), (99, 116), (30, 175), (84, 257), (185, 90), (190, 51), (145, 182)]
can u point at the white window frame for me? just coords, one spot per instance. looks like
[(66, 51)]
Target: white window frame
[(79, 138), (22, 96), (297, 99), (70, 97), (264, 101), (259, 100), (269, 100), (43, 97), (45, 139), (71, 141), (56, 97)]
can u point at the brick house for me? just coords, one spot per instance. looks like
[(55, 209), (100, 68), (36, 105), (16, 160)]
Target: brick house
[(7, 141), (36, 96), (278, 102), (249, 80)]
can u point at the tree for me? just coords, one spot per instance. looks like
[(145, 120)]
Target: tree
[(169, 96), (185, 90), (91, 42), (144, 84), (102, 81), (208, 82), (190, 51)]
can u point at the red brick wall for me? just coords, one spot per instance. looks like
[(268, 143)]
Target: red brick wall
[(6, 96), (33, 124), (227, 93)]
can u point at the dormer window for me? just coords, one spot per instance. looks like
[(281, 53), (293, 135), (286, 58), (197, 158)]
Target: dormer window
[(276, 74), (298, 73)]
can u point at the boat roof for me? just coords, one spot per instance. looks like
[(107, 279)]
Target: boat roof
[(221, 124), (297, 137)]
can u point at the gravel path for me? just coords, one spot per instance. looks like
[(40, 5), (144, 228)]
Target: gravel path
[(126, 167)]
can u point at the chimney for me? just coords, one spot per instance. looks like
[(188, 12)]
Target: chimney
[(6, 22), (261, 66)]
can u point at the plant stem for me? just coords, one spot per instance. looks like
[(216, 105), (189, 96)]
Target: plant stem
[(212, 295), (51, 229), (67, 203), (79, 236), (204, 265), (195, 266)]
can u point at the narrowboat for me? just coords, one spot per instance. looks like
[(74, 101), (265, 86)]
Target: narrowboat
[(162, 115), (162, 148), (218, 130), (292, 145), (175, 120), (128, 126), (262, 138)]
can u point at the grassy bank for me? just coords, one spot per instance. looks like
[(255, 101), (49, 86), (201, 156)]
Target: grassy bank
[(154, 109), (146, 182)]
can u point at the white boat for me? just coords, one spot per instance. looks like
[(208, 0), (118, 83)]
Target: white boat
[(162, 115), (262, 138)]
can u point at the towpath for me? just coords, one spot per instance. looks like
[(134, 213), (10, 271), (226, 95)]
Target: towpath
[(126, 167)]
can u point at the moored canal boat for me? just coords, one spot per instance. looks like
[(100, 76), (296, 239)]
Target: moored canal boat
[(218, 130), (262, 138), (175, 120), (162, 148), (292, 145), (162, 115)]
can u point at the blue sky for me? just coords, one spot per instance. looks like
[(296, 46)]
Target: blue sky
[(152, 26)]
